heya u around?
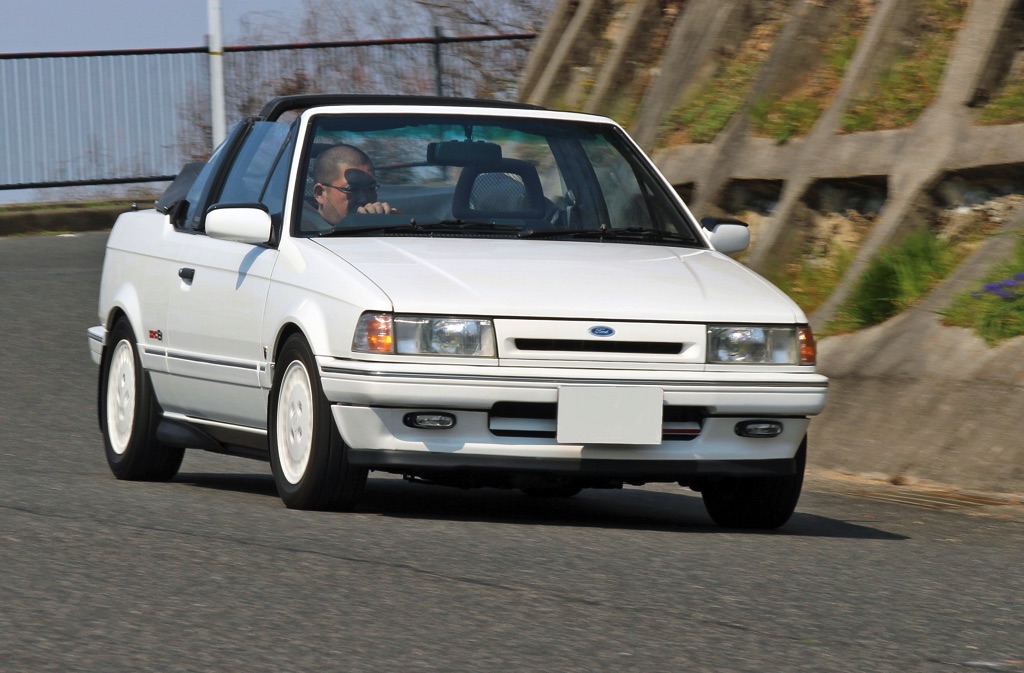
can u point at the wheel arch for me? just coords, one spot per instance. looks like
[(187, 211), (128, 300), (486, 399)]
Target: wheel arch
[(125, 303), (286, 331), (115, 314), (327, 328)]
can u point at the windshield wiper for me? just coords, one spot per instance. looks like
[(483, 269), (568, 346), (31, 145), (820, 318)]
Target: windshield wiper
[(414, 227), (467, 225), (382, 228), (606, 233)]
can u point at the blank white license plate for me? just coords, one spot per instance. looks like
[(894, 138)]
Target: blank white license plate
[(609, 415)]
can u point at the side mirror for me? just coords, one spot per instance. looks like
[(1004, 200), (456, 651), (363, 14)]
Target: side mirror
[(245, 223), (728, 236)]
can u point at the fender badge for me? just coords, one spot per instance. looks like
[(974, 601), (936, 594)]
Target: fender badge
[(601, 331)]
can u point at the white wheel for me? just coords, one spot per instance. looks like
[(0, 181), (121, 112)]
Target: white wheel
[(295, 422), (121, 397), (129, 413), (307, 455)]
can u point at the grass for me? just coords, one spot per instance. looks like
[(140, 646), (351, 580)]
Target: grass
[(995, 310), (1007, 107), (895, 279), (704, 114), (27, 207), (794, 115), (910, 83), (810, 282), (706, 111), (783, 119)]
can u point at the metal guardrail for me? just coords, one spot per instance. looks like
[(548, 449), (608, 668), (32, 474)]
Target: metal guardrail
[(118, 117)]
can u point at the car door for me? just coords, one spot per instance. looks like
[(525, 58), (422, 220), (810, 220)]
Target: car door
[(215, 312)]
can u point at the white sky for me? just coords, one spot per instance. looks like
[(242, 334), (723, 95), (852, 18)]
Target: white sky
[(87, 25)]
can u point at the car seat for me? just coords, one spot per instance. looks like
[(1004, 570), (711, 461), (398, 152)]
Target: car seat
[(505, 189)]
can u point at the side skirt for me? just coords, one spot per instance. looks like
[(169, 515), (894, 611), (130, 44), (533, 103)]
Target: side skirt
[(215, 439)]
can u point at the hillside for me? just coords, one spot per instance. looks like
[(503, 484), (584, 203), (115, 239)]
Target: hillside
[(840, 129)]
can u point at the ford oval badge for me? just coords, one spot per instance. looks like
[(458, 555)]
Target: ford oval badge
[(601, 331)]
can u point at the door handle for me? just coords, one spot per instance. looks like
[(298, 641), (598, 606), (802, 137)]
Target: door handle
[(186, 274)]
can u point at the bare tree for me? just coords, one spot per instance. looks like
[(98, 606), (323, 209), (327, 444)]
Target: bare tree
[(472, 69), (337, 20), (493, 16)]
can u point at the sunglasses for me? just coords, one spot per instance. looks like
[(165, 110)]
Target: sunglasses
[(364, 190)]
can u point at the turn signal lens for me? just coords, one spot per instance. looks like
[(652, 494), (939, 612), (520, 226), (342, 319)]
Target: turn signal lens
[(759, 429), (808, 347), (432, 420), (374, 334)]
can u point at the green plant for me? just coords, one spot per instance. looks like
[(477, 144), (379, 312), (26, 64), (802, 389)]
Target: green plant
[(909, 85), (895, 279), (785, 119), (704, 114), (794, 115), (706, 111), (809, 282), (1007, 107), (996, 310)]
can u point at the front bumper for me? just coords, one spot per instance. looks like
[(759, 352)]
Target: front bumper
[(97, 339), (371, 401)]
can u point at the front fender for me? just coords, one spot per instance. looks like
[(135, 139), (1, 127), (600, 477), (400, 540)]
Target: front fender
[(320, 295)]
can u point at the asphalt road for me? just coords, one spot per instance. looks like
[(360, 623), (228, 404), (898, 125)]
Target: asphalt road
[(211, 573)]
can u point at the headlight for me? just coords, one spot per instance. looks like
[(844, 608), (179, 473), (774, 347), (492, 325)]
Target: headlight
[(761, 345), (424, 335)]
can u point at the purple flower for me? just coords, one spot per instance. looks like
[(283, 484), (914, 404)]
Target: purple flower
[(999, 287)]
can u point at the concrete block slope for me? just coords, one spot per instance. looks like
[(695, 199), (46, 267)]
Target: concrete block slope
[(910, 398)]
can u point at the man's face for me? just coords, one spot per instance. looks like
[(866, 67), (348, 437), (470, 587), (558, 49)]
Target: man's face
[(356, 187)]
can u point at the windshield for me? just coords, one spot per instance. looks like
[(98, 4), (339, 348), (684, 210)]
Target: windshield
[(490, 176)]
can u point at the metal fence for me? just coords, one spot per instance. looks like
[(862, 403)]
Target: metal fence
[(116, 117)]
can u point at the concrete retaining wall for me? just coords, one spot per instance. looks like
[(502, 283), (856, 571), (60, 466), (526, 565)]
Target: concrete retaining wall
[(57, 219), (911, 398)]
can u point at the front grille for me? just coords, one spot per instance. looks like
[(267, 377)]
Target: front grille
[(600, 346), (535, 419)]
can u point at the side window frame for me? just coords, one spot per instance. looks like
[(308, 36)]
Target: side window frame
[(209, 180), (254, 164)]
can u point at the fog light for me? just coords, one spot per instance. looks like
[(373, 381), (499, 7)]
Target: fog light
[(429, 420), (759, 429)]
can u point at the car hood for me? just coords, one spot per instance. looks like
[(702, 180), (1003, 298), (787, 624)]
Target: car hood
[(563, 279)]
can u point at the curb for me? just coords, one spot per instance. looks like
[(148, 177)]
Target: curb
[(17, 221)]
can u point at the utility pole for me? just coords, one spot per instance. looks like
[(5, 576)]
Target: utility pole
[(438, 88), (216, 47)]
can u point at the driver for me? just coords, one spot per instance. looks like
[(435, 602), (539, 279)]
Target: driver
[(345, 183)]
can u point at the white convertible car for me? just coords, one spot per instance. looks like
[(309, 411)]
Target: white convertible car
[(467, 293)]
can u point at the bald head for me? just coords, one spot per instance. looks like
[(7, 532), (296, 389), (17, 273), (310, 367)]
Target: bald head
[(332, 162)]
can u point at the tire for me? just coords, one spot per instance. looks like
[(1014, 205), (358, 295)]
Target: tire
[(307, 455), (756, 502), (553, 489), (129, 413), (564, 492)]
